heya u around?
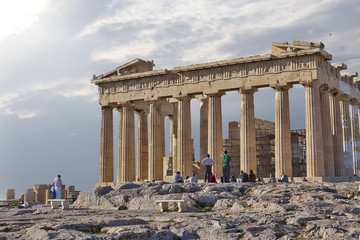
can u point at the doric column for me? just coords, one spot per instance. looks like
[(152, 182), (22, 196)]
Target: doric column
[(184, 148), (247, 132), (127, 145), (336, 127), (215, 140), (327, 132), (156, 165), (283, 159), (173, 137), (314, 141), (120, 162), (354, 119), (347, 141), (204, 114), (106, 146), (142, 164)]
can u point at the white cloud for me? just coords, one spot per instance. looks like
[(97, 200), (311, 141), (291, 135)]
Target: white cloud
[(68, 88), (201, 28), (17, 15)]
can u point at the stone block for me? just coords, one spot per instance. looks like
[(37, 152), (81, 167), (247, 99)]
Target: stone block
[(10, 194)]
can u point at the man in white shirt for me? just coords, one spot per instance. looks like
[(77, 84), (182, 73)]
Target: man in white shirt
[(207, 162)]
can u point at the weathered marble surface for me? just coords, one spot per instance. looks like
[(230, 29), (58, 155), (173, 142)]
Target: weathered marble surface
[(217, 211)]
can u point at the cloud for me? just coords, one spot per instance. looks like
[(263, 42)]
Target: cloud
[(17, 15), (11, 104), (149, 28)]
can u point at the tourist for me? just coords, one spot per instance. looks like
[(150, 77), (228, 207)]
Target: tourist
[(252, 176), (272, 179), (284, 178), (207, 162), (260, 180), (212, 178), (187, 179), (292, 180), (244, 177), (177, 178), (57, 183), (193, 179), (226, 166), (233, 178), (53, 193)]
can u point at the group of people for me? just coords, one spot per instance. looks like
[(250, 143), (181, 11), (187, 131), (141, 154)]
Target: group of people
[(243, 177)]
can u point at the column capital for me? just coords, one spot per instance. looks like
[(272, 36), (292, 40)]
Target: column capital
[(312, 84), (183, 98), (106, 107), (344, 97), (353, 101), (279, 87), (251, 90)]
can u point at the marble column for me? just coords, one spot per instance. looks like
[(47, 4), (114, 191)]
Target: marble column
[(314, 138), (336, 127), (354, 119), (173, 138), (127, 145), (247, 132), (156, 165), (204, 112), (347, 141), (142, 164), (215, 139), (283, 158), (184, 148), (106, 146), (327, 132), (120, 162)]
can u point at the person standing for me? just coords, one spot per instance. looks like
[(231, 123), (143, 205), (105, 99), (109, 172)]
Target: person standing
[(207, 162), (57, 183), (226, 166)]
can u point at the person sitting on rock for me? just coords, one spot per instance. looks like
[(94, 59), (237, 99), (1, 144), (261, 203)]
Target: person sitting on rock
[(260, 180), (177, 178), (252, 176), (244, 177), (193, 179), (187, 179), (233, 178), (272, 179), (284, 178), (292, 180), (212, 178)]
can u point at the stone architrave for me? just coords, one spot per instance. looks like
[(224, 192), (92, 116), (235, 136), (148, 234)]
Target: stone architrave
[(155, 138), (314, 137), (142, 166), (347, 141), (215, 140), (106, 146), (247, 132), (283, 160), (120, 162), (327, 132), (336, 127), (184, 148), (354, 119), (128, 145)]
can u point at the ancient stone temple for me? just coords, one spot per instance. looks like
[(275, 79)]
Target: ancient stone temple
[(332, 124)]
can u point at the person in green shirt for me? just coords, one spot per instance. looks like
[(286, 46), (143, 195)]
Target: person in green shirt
[(226, 165)]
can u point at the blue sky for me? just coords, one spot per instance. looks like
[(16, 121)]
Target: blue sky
[(49, 112)]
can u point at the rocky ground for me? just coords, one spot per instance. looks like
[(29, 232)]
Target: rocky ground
[(216, 211)]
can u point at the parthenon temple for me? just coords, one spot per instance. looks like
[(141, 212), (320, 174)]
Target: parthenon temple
[(331, 107)]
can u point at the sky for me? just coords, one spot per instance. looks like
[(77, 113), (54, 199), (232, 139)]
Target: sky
[(49, 51)]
